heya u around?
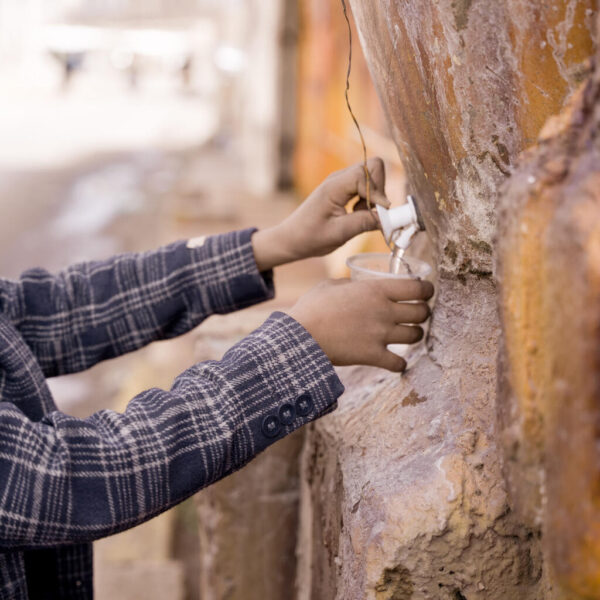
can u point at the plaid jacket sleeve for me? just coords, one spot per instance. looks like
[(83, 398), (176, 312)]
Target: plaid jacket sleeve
[(99, 310), (65, 480)]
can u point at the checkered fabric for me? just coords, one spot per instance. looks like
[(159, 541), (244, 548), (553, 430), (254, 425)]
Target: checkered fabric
[(65, 482)]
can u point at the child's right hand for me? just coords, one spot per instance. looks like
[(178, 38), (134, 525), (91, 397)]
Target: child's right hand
[(354, 321)]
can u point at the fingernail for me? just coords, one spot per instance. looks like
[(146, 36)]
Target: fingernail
[(382, 200)]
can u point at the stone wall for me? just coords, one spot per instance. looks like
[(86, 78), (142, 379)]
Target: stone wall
[(549, 243), (403, 488)]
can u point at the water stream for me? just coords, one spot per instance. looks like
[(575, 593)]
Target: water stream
[(398, 264)]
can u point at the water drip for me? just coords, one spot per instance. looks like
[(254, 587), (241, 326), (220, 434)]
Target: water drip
[(398, 264)]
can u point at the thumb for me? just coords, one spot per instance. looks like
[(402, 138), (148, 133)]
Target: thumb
[(359, 222)]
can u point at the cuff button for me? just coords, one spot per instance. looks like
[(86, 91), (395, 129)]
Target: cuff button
[(287, 414), (304, 405), (271, 426)]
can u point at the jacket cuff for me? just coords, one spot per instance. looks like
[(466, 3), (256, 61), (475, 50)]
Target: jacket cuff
[(283, 380), (228, 278)]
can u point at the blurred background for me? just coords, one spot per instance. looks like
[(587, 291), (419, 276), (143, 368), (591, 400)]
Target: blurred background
[(128, 124)]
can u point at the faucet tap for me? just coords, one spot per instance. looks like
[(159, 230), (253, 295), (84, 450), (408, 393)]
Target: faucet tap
[(400, 224)]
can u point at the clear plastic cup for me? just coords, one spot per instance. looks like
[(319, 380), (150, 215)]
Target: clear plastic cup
[(377, 266)]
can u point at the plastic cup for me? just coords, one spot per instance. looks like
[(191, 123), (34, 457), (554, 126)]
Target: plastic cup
[(377, 266)]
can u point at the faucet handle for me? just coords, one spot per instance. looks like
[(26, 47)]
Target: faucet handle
[(394, 220)]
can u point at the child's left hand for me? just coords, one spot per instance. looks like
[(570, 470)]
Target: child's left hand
[(321, 223)]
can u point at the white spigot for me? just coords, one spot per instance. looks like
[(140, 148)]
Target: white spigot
[(405, 238), (400, 224)]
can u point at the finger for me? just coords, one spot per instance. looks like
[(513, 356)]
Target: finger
[(404, 334), (358, 222), (376, 168), (428, 290), (400, 290), (417, 312), (346, 184), (376, 198), (390, 361), (360, 205), (376, 184)]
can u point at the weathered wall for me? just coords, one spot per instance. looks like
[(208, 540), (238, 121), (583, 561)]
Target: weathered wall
[(549, 243), (403, 488)]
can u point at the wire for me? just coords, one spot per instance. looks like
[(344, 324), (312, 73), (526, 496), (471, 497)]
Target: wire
[(347, 94)]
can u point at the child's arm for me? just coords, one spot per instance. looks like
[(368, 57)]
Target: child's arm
[(99, 310), (67, 480)]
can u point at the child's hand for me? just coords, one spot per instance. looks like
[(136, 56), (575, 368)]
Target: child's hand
[(321, 224), (353, 322)]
